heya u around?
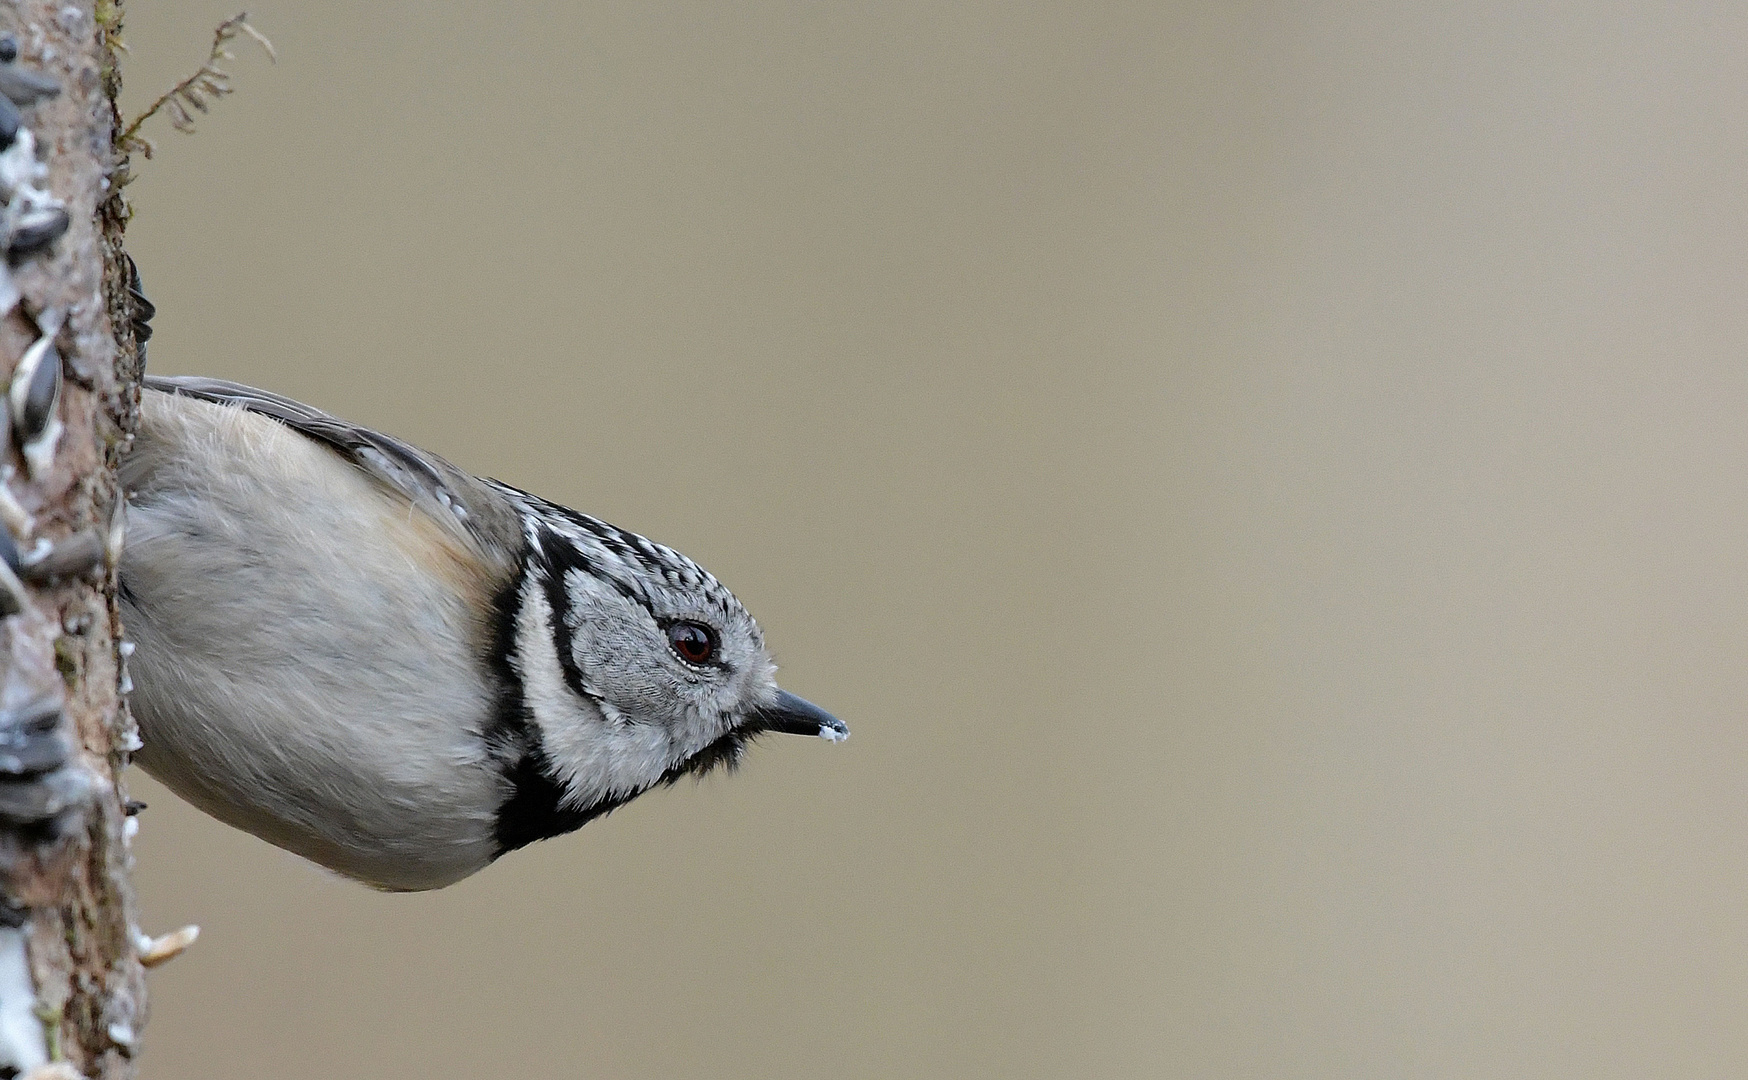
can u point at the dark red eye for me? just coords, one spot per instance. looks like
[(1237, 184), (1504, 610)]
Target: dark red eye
[(693, 642)]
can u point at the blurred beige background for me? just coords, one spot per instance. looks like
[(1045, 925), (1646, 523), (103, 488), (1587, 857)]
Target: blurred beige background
[(1266, 484)]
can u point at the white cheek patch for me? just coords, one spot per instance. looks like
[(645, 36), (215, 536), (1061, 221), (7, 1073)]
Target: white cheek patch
[(596, 757)]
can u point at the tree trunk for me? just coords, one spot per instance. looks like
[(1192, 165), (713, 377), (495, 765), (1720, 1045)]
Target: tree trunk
[(72, 993)]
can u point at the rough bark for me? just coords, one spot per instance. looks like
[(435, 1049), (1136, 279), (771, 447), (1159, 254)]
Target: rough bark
[(64, 872)]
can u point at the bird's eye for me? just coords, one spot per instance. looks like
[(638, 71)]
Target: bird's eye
[(692, 642)]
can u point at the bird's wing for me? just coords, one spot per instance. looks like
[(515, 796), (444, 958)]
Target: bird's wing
[(462, 502)]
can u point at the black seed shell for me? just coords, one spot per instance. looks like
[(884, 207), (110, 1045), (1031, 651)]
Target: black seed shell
[(32, 413), (37, 230), (26, 88), (9, 121)]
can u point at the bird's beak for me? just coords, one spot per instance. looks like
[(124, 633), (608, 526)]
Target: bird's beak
[(797, 716)]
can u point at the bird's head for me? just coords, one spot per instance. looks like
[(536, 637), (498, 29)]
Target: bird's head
[(638, 667)]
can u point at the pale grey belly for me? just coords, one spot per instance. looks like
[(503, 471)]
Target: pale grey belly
[(297, 679)]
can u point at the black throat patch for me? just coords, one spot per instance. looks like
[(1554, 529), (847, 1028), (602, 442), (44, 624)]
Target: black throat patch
[(535, 809)]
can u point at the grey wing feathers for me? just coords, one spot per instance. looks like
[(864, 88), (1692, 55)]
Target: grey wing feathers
[(448, 494)]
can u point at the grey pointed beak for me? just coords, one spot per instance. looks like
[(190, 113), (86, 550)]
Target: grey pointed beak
[(797, 716)]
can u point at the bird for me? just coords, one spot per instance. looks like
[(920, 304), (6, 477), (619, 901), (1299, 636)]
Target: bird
[(358, 652)]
